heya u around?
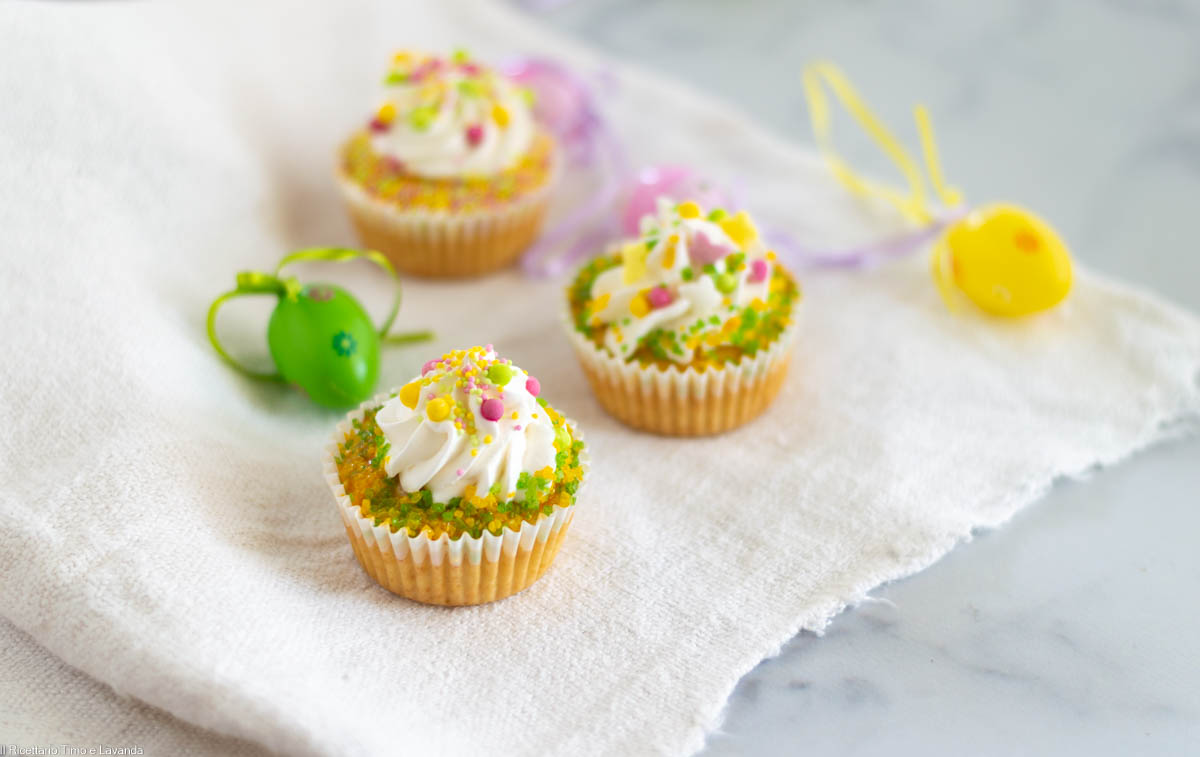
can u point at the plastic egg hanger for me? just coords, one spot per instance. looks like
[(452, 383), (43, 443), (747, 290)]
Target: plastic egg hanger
[(320, 337)]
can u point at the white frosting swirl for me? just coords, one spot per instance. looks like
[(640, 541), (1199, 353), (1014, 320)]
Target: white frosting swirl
[(452, 119), (670, 257), (463, 449)]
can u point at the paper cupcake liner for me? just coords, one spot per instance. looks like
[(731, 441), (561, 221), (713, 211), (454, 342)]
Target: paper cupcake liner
[(448, 244), (444, 571), (687, 402)]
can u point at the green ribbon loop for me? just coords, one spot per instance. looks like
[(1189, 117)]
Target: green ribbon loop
[(258, 282)]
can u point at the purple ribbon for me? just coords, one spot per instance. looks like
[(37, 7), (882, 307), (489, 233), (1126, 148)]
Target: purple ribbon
[(566, 106)]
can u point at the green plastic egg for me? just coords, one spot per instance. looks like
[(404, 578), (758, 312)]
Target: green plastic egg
[(324, 342)]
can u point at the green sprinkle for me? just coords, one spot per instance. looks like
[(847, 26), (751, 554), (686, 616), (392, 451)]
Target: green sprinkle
[(651, 242), (422, 116), (460, 56), (687, 274), (716, 214), (396, 77), (499, 374), (470, 88), (726, 283)]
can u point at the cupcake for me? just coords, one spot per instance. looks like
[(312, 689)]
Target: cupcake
[(457, 488), (686, 330), (452, 174)]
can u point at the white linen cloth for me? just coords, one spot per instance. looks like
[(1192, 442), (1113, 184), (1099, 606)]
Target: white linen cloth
[(164, 526)]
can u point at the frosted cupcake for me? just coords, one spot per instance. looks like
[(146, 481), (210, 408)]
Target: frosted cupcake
[(452, 174), (686, 330), (458, 488)]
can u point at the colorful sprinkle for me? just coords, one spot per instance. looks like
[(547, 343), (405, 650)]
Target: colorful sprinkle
[(438, 409), (533, 386), (500, 115), (758, 271), (740, 228), (639, 306), (660, 297), (474, 134), (704, 250), (499, 374), (491, 409), (421, 117), (688, 209), (410, 394)]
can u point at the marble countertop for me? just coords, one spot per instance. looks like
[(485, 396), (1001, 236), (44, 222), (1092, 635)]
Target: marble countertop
[(1074, 629)]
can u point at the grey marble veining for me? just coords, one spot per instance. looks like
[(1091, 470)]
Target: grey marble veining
[(1076, 628)]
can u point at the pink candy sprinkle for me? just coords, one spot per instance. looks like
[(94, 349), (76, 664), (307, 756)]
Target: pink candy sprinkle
[(516, 427), (660, 297), (533, 386), (459, 472), (378, 126), (488, 347), (474, 135), (702, 250), (759, 270), (428, 367), (492, 409)]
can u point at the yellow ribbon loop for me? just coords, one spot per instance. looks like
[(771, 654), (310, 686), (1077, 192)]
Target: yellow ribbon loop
[(913, 205)]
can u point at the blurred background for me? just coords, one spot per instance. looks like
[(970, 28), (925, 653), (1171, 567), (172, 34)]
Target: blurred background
[(1074, 630)]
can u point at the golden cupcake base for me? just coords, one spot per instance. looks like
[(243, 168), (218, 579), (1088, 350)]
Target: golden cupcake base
[(446, 245), (675, 412), (453, 585)]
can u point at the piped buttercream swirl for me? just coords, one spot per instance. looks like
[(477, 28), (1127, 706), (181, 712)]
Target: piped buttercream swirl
[(469, 419), (451, 118)]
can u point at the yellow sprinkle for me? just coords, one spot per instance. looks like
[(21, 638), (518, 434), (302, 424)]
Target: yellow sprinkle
[(668, 258), (474, 453), (770, 255), (740, 228), (410, 393), (500, 115), (517, 415), (639, 306), (387, 113), (438, 409), (535, 416), (633, 259), (487, 439), (600, 303), (688, 209), (757, 305), (401, 57)]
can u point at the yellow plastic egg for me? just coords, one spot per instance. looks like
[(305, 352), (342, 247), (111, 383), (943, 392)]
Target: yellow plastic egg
[(1005, 259)]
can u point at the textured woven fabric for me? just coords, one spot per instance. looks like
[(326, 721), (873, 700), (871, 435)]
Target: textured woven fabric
[(164, 527)]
